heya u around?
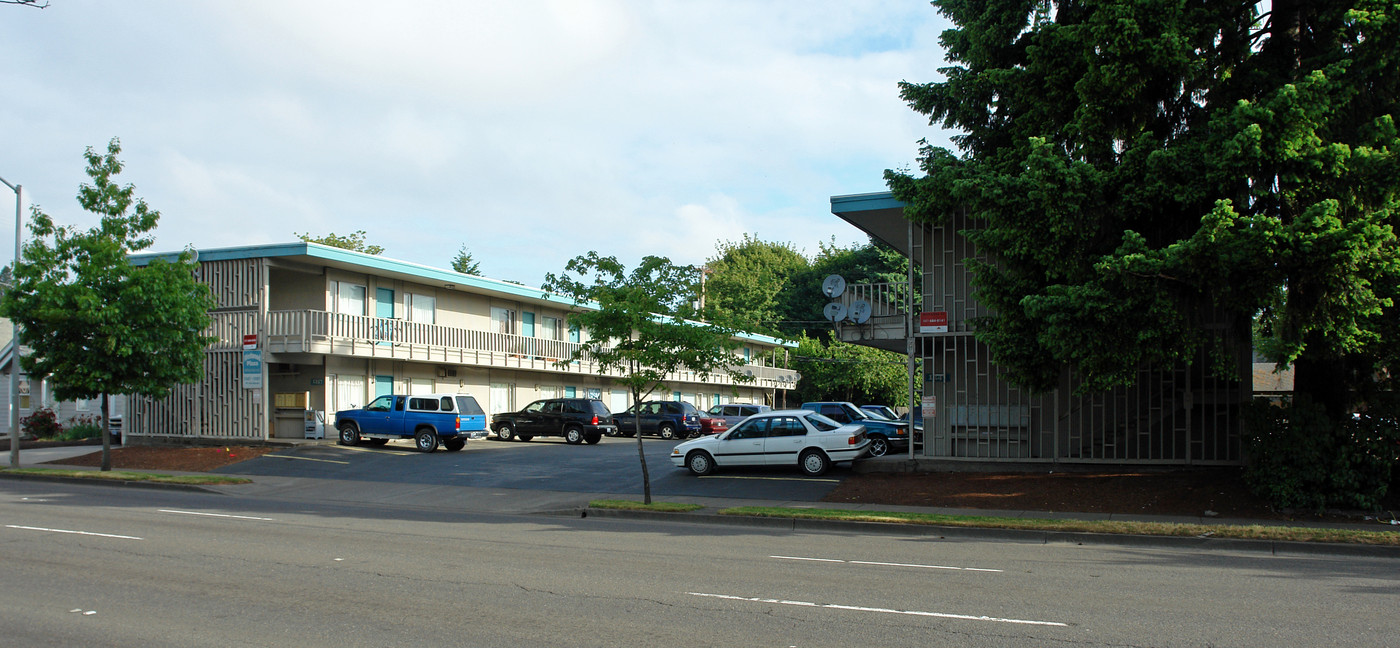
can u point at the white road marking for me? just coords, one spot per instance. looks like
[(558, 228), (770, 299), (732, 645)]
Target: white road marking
[(222, 515), (886, 564), (344, 463), (86, 533), (857, 608)]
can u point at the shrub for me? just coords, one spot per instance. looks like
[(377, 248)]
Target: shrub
[(1299, 458), (82, 426), (41, 424)]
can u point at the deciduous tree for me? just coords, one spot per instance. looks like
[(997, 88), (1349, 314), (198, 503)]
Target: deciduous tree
[(354, 241), (96, 324), (642, 324)]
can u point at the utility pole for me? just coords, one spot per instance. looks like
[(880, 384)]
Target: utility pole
[(14, 336)]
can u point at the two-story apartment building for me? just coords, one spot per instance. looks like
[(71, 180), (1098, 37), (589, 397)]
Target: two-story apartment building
[(306, 329), (1183, 414)]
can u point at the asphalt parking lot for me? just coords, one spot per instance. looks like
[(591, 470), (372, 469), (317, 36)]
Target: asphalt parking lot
[(611, 466)]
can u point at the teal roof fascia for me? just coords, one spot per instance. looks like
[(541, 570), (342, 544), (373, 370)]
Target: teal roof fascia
[(865, 202), (375, 262)]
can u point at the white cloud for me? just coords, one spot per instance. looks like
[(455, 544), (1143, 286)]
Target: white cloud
[(531, 131)]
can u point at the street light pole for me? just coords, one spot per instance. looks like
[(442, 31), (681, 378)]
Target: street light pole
[(14, 336)]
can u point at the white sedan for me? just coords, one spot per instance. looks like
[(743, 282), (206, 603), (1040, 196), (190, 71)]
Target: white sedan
[(775, 438)]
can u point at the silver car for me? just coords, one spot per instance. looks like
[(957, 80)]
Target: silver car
[(733, 413)]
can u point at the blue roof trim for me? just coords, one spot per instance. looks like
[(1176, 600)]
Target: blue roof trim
[(375, 262), (865, 202)]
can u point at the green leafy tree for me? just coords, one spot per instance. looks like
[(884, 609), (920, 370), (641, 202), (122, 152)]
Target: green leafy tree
[(641, 323), (98, 325), (354, 241), (465, 264), (746, 281), (1132, 165), (870, 262), (836, 370)]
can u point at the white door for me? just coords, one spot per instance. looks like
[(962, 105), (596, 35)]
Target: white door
[(743, 444), (618, 400), (420, 386), (786, 437)]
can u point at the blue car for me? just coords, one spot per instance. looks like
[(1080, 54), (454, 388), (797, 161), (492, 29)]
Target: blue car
[(667, 419)]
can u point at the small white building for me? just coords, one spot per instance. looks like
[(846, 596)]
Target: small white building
[(306, 329)]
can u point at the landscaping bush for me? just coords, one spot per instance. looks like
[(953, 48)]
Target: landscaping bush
[(82, 426), (1301, 459), (41, 424)]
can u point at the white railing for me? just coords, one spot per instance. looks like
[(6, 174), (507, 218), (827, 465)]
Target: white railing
[(309, 331), (885, 299)]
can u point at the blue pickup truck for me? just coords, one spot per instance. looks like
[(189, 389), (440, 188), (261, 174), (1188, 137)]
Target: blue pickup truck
[(428, 419), (885, 435)]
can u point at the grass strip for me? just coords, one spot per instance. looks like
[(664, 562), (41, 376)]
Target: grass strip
[(124, 475), (1250, 532), (629, 505)]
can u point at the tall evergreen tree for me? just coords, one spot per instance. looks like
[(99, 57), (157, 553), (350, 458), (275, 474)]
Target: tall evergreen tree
[(1132, 163)]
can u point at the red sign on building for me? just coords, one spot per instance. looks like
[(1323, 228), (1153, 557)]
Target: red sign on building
[(933, 322), (250, 341)]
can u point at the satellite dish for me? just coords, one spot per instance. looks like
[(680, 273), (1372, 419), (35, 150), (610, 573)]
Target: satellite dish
[(835, 311), (833, 286), (860, 311)]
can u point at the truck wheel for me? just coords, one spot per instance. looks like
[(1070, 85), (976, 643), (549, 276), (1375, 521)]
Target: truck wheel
[(573, 436), (813, 463), (668, 431), (700, 463), (879, 446), (453, 445), (426, 440), (349, 434), (506, 432)]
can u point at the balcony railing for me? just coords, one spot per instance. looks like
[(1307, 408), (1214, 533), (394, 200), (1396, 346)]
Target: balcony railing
[(309, 331)]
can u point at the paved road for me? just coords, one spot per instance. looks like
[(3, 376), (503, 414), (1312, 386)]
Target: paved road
[(93, 565), (610, 467)]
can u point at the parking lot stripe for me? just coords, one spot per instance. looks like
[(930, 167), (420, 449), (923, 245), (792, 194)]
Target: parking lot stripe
[(885, 564), (343, 463), (86, 533)]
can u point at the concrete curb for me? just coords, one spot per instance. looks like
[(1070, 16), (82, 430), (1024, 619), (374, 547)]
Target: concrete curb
[(1272, 547), (63, 479)]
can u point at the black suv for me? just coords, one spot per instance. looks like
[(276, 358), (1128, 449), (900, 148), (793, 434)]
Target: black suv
[(669, 419), (576, 419)]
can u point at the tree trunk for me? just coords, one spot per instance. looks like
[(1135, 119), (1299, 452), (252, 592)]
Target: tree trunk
[(106, 434), (641, 451)]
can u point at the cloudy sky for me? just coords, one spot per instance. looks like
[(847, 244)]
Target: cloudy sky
[(528, 131)]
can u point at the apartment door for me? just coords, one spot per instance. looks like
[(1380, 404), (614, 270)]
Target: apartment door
[(383, 385)]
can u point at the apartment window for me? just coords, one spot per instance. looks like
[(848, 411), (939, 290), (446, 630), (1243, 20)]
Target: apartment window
[(422, 308), (349, 298), (549, 391), (502, 398), (349, 391), (503, 320), (551, 328)]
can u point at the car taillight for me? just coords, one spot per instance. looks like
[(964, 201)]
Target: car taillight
[(459, 424), (595, 420), (850, 441)]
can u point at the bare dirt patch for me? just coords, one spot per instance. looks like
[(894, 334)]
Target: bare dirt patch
[(201, 459), (1185, 492)]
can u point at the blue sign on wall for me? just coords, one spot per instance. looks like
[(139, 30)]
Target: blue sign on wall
[(252, 369)]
